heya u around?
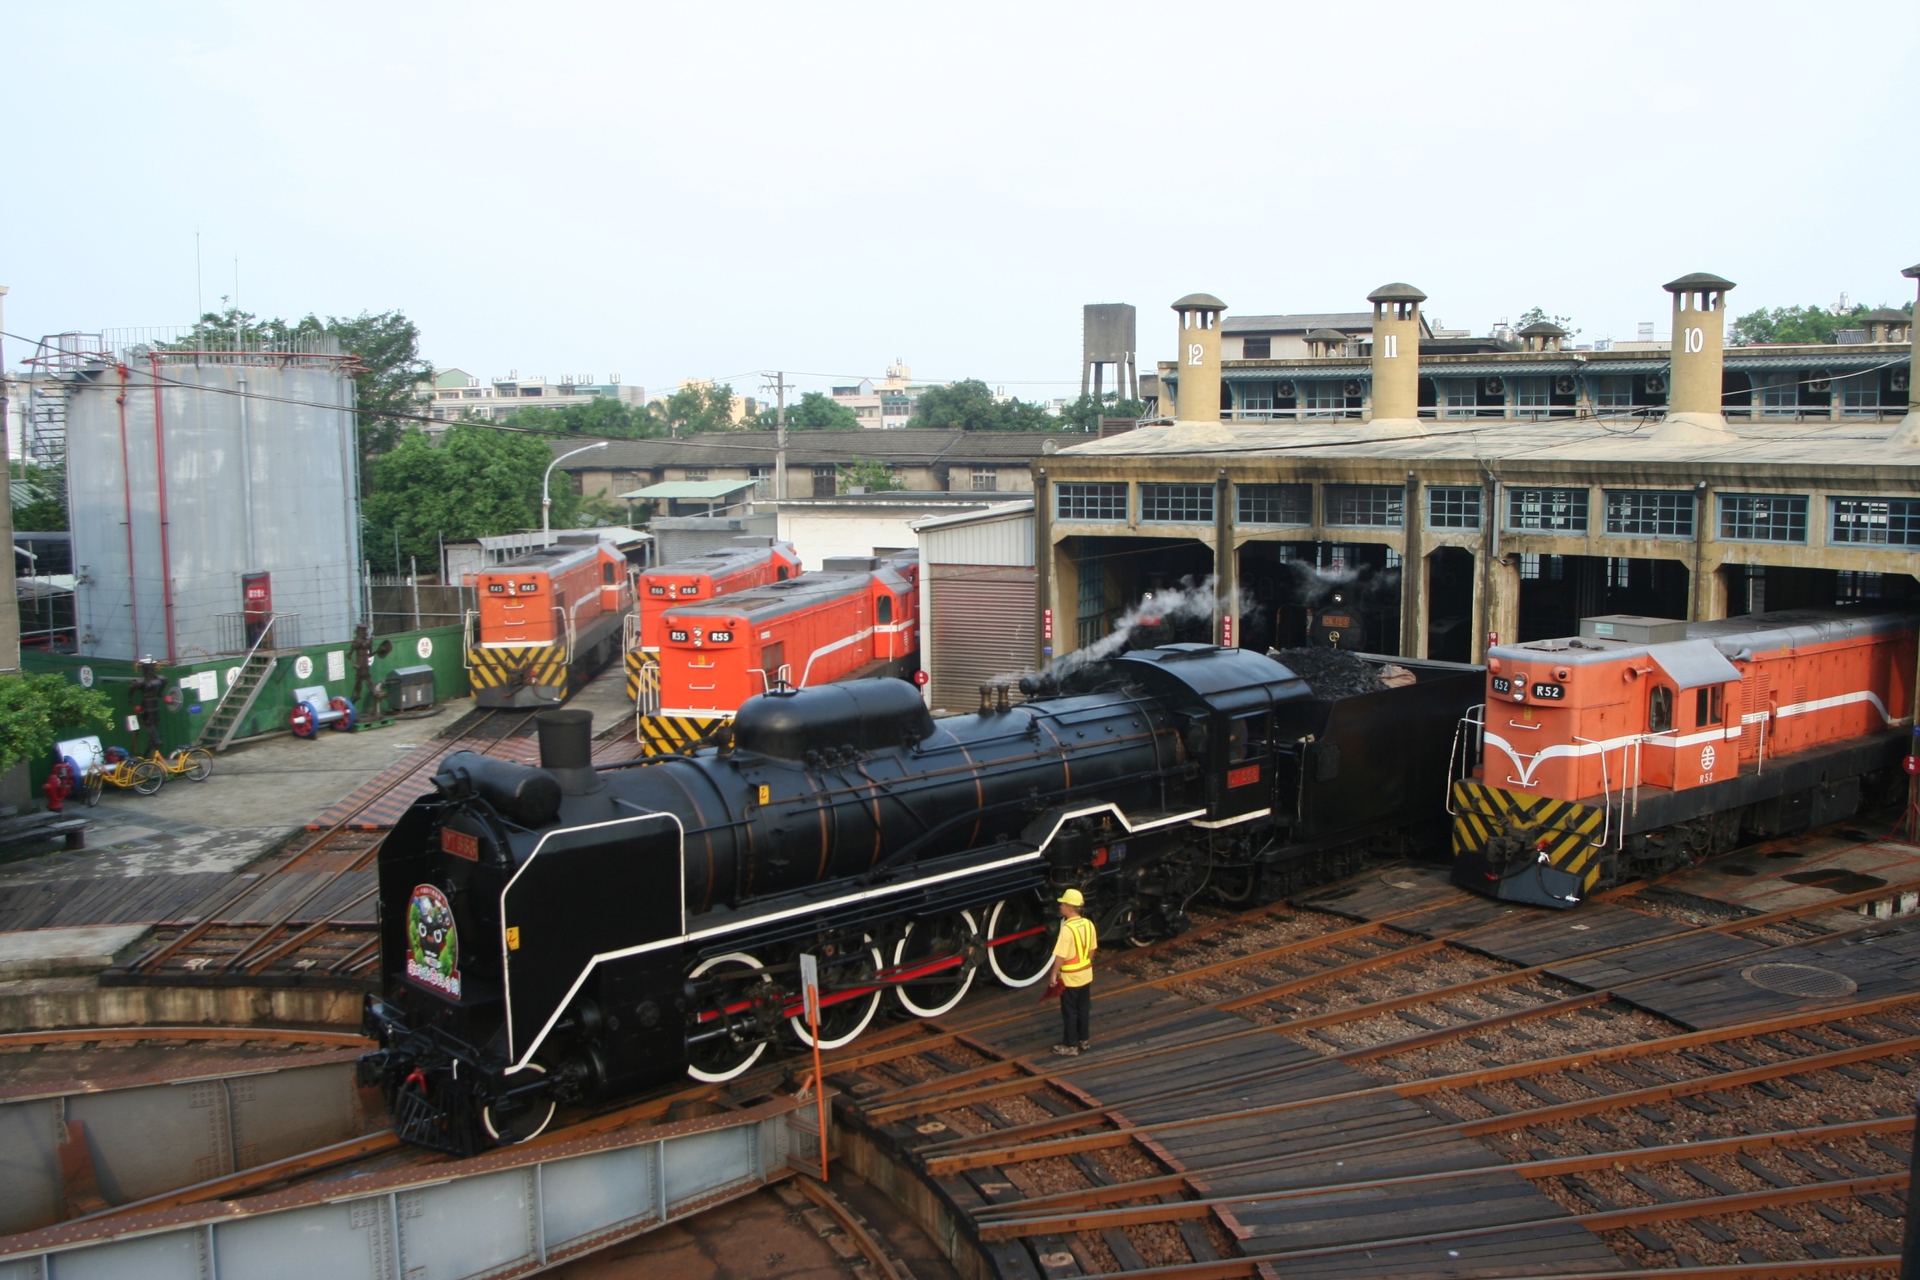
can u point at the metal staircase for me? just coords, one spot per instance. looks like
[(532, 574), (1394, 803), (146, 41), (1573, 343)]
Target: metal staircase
[(231, 711)]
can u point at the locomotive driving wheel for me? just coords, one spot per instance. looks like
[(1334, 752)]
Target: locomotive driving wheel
[(847, 966), (726, 1037), (934, 962), (1020, 936), (512, 1120)]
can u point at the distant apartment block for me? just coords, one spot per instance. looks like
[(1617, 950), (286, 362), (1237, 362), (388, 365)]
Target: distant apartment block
[(454, 392)]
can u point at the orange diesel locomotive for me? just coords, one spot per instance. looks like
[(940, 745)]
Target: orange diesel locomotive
[(857, 618), (547, 621), (756, 563), (1644, 745)]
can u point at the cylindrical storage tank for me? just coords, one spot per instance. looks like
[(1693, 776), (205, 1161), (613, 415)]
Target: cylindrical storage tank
[(243, 463)]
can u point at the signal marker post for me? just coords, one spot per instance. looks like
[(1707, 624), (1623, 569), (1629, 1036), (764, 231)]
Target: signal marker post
[(810, 995)]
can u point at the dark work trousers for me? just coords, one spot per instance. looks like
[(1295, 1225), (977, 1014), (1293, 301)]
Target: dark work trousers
[(1076, 1012)]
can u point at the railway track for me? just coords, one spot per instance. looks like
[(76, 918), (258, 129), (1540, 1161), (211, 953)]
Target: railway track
[(309, 918), (1420, 1065)]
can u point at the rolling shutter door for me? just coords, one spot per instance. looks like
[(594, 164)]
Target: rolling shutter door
[(982, 628)]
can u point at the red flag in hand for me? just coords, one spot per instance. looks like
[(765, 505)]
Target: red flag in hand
[(1054, 988)]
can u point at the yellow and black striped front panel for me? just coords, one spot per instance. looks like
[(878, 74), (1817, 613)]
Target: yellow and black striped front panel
[(496, 669), (669, 735), (1569, 830), (643, 672)]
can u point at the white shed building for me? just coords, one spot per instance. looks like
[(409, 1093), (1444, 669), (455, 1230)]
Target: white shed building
[(977, 601)]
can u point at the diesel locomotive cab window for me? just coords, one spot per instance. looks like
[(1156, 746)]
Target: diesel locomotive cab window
[(606, 573), (1659, 709), (1709, 705), (883, 611)]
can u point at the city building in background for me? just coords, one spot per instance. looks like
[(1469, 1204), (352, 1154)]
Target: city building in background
[(455, 393)]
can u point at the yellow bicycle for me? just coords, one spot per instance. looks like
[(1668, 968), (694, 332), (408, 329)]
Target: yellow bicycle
[(145, 774)]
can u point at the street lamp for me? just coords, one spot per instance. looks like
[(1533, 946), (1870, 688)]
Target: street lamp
[(546, 498)]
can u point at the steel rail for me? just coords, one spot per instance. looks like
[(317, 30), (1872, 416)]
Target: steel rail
[(345, 1039), (1008, 1225), (1360, 1012), (272, 930), (214, 916), (855, 1229), (1257, 1265), (962, 1158), (235, 1184)]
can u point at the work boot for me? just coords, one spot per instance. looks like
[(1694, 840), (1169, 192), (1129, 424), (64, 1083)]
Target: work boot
[(1066, 1051), (1086, 1046)]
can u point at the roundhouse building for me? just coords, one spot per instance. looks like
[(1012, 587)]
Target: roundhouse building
[(1375, 494)]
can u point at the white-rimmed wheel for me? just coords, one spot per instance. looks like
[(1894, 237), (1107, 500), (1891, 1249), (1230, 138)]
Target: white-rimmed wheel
[(926, 943), (517, 1119), (1029, 929), (725, 1045), (842, 1021)]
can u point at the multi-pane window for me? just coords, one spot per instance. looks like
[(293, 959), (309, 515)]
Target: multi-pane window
[(1648, 514), (1370, 506), (1274, 503), (1460, 396), (762, 482), (1780, 394), (1176, 503), (1453, 507), (1547, 510), (1859, 394), (1256, 349), (1323, 396), (1543, 568), (1763, 517), (1532, 393), (1892, 522), (986, 479), (1256, 397), (1106, 502), (1614, 392)]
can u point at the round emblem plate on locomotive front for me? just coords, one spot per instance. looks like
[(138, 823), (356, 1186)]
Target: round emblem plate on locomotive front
[(1804, 980)]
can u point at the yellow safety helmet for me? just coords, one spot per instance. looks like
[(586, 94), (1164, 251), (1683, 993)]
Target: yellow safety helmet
[(1073, 898)]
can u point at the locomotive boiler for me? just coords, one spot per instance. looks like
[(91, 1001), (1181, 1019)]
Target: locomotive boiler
[(567, 933)]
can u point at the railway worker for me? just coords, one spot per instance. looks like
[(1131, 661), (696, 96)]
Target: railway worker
[(1073, 972)]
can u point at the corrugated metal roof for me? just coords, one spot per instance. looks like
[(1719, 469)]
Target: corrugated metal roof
[(1345, 321), (998, 511), (687, 490), (1487, 369), (1851, 361)]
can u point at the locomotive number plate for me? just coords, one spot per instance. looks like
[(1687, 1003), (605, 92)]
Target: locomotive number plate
[(1549, 692), (1335, 620), (720, 637), (678, 637), (1244, 776), (460, 844), (1502, 685)]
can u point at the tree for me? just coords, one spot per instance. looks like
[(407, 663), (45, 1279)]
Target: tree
[(698, 406), (1085, 413), (814, 411), (475, 482), (46, 511), (870, 474), (385, 345), (970, 405), (1534, 315), (36, 709), (600, 416), (1790, 324)]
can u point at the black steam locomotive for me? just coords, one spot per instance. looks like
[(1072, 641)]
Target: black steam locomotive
[(564, 933)]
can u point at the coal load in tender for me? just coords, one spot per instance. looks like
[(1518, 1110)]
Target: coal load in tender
[(1331, 673)]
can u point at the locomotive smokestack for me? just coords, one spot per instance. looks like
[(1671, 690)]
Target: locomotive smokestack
[(566, 750)]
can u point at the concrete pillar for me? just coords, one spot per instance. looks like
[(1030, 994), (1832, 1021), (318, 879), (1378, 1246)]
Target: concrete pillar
[(1198, 399), (1908, 432), (1699, 340), (1226, 576), (1396, 357), (1413, 576), (1502, 579)]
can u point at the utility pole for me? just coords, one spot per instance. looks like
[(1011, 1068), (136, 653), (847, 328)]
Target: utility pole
[(779, 386)]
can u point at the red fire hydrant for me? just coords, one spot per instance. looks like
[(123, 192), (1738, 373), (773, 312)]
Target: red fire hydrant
[(60, 784)]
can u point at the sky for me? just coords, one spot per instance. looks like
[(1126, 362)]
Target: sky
[(714, 190)]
